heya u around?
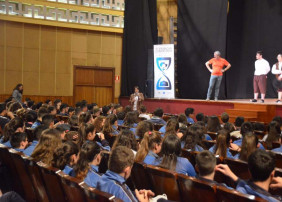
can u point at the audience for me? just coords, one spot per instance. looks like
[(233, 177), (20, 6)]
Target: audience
[(194, 139), (189, 112), (142, 128), (274, 134), (19, 141), (200, 117), (143, 113), (41, 112), (213, 124), (126, 138), (111, 125), (14, 126), (157, 117)]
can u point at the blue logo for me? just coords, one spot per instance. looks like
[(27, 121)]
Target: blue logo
[(163, 64)]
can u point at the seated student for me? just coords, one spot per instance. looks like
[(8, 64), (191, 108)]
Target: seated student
[(71, 112), (171, 160), (206, 165), (85, 118), (19, 141), (171, 126), (126, 138), (48, 120), (37, 133), (64, 110), (87, 133), (111, 125), (52, 110), (189, 112), (202, 125), (249, 145), (96, 111), (200, 117), (229, 127), (149, 149), (106, 111), (29, 118), (14, 126), (238, 123), (130, 121), (99, 123), (143, 113), (113, 181), (245, 128), (48, 102), (213, 124), (194, 139), (261, 166), (83, 107), (41, 112), (222, 145), (120, 118), (182, 120), (87, 167), (48, 142), (5, 116), (63, 129), (279, 149), (142, 128), (157, 117), (273, 135), (224, 118), (57, 105)]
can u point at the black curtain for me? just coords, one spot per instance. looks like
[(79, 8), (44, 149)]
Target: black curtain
[(202, 26), (252, 25), (140, 33)]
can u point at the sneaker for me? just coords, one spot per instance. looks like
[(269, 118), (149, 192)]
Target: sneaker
[(216, 99), (278, 101), (208, 99), (253, 100), (261, 101)]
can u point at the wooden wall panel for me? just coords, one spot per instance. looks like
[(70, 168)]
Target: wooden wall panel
[(2, 62), (31, 36), (103, 95), (85, 93), (14, 34), (31, 60), (84, 76), (14, 58), (103, 78)]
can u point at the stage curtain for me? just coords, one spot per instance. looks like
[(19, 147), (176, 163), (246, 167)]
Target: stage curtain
[(202, 26), (140, 33), (252, 25)]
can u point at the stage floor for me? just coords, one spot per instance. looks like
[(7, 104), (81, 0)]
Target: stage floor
[(268, 101)]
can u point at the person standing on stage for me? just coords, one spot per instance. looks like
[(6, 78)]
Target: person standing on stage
[(136, 99), (277, 70), (260, 78), (216, 73)]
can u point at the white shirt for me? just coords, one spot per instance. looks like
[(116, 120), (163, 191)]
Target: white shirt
[(262, 67), (146, 116), (277, 71), (135, 103)]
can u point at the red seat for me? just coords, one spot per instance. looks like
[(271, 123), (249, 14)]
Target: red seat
[(192, 189), (164, 181), (224, 194)]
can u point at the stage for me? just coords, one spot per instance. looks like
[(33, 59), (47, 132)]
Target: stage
[(236, 107)]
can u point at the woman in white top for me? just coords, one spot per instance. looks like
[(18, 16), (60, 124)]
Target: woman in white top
[(136, 99), (277, 70)]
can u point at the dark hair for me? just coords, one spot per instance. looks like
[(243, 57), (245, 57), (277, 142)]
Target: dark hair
[(246, 127), (18, 88), (249, 145), (143, 109), (73, 120), (239, 121), (222, 143), (30, 103), (105, 110), (130, 119), (127, 109), (143, 127), (274, 133), (206, 162), (88, 152), (77, 111), (126, 138), (120, 158), (258, 126), (2, 107), (259, 52), (109, 122), (224, 117), (189, 111), (98, 123), (182, 119), (229, 127), (213, 124), (172, 126), (15, 106), (277, 119), (30, 117), (120, 115), (159, 112), (200, 117), (17, 138), (195, 136), (261, 164), (136, 87), (47, 119), (50, 109), (83, 132), (11, 127), (85, 117), (171, 149), (57, 101), (47, 101), (63, 106), (62, 155), (41, 112), (38, 131), (71, 109)]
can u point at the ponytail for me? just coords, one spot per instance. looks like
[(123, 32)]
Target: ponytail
[(11, 127), (83, 132)]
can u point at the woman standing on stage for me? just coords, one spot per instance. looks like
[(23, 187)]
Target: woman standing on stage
[(277, 70), (136, 99), (18, 93)]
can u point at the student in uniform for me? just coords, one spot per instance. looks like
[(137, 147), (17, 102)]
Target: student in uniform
[(19, 141), (14, 126)]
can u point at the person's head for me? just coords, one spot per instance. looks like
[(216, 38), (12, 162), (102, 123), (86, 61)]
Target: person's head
[(14, 126), (48, 102), (151, 142), (30, 117), (52, 110), (213, 124), (205, 163), (279, 57), (216, 54), (195, 135), (189, 112), (86, 132), (14, 107), (83, 107), (277, 119), (246, 128), (127, 109), (222, 143), (48, 142), (143, 127), (96, 111), (19, 140), (224, 117), (229, 127), (63, 108), (72, 136), (99, 123), (182, 120), (136, 89), (70, 111), (259, 55), (121, 161), (30, 103), (143, 109), (85, 117), (41, 112), (126, 138), (171, 149), (130, 119), (109, 122), (159, 112), (38, 131), (77, 111), (19, 87), (249, 145), (274, 134), (200, 117), (261, 166), (239, 121), (48, 120), (3, 109), (106, 110), (120, 115), (73, 121), (172, 126), (90, 154), (57, 104)]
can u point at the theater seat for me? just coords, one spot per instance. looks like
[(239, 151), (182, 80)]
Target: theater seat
[(164, 181), (192, 189), (140, 176), (224, 194), (278, 160), (213, 135), (157, 127), (190, 155), (240, 168)]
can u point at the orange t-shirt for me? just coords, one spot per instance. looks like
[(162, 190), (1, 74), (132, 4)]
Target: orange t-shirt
[(217, 65)]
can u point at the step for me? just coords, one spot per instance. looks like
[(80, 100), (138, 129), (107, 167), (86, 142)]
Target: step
[(243, 112), (251, 106)]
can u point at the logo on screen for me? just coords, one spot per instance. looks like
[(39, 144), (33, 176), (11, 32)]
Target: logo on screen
[(163, 64)]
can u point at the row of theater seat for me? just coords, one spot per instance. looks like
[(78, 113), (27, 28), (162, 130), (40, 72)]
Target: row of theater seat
[(35, 181)]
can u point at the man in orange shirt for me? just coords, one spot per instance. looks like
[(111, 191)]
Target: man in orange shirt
[(216, 73)]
